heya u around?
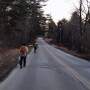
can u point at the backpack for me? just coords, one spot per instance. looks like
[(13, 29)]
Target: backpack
[(35, 46), (22, 50)]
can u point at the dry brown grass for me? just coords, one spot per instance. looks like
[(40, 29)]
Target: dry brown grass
[(8, 60)]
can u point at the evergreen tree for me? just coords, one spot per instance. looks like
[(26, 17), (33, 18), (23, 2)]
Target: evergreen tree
[(21, 20)]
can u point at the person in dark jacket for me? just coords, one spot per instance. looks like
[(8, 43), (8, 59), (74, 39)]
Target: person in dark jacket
[(35, 47)]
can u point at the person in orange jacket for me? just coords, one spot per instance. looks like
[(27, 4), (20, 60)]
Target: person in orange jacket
[(23, 51)]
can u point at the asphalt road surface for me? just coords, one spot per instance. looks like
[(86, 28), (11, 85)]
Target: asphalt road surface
[(49, 69)]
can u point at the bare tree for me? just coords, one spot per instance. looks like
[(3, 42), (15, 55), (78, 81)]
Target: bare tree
[(80, 16), (87, 18)]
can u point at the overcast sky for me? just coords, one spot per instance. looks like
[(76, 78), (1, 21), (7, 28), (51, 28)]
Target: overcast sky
[(60, 8)]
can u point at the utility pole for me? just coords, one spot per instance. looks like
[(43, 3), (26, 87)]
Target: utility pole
[(60, 32)]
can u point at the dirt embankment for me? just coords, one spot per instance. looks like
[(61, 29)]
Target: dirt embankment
[(8, 60)]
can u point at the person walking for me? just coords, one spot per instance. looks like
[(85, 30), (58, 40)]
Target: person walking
[(35, 47), (23, 54)]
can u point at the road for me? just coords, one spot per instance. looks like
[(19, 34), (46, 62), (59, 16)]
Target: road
[(49, 69)]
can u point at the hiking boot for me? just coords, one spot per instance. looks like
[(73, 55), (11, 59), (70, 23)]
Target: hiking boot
[(24, 65), (20, 66)]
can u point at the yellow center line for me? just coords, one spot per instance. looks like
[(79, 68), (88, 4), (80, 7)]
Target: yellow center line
[(74, 73)]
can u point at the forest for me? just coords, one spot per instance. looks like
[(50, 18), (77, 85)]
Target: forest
[(24, 20), (20, 21), (74, 33)]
